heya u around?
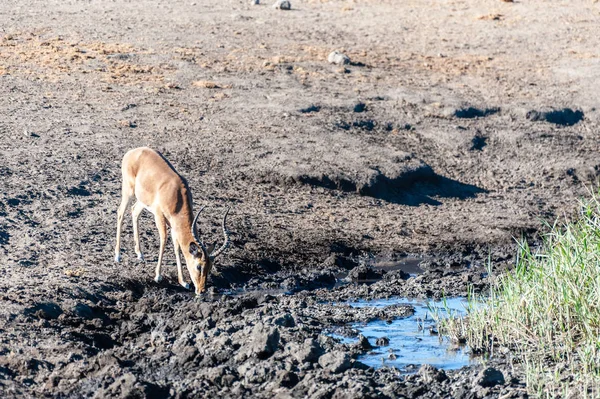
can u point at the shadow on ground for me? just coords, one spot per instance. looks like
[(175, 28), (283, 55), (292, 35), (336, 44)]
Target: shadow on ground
[(428, 191), (561, 117)]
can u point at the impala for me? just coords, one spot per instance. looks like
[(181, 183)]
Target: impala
[(158, 188)]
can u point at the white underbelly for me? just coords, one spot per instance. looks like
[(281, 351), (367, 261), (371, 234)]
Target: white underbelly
[(146, 207)]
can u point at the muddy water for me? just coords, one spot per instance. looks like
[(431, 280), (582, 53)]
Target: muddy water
[(413, 341)]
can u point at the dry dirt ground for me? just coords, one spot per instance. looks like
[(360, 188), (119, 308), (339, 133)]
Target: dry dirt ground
[(457, 126)]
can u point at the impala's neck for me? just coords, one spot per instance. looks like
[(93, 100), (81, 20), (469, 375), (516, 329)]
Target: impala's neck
[(182, 226)]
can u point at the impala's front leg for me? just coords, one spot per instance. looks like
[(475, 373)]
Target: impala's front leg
[(178, 257), (162, 232), (126, 194)]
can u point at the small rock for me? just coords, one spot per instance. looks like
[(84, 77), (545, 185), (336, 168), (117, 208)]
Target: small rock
[(287, 379), (255, 2), (417, 391), (335, 362), (105, 360), (534, 116), (382, 341), (84, 311), (430, 374), (489, 377), (364, 343), (46, 311), (282, 5), (158, 338), (338, 260), (285, 320), (186, 355), (216, 374), (392, 356), (289, 284), (265, 341), (307, 352), (396, 275), (326, 342), (337, 58), (364, 273), (125, 386), (256, 374)]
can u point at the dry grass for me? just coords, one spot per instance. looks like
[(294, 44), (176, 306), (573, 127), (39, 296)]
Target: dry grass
[(74, 272), (491, 17), (207, 84), (34, 57)]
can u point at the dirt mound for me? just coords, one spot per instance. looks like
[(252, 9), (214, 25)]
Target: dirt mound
[(341, 162)]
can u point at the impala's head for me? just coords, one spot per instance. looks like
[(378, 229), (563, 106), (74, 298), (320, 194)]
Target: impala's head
[(201, 264), (204, 255)]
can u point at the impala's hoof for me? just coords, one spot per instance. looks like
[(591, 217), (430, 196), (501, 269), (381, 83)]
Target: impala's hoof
[(140, 257), (117, 258), (158, 278), (185, 285)]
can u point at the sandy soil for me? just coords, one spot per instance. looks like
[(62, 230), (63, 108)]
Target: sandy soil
[(456, 127)]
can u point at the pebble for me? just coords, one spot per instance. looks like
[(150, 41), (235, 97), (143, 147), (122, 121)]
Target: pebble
[(282, 5), (337, 58)]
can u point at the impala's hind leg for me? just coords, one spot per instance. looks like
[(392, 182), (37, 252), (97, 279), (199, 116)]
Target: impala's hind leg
[(127, 193), (135, 215)]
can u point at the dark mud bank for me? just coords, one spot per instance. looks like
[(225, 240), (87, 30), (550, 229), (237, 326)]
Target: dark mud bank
[(148, 340)]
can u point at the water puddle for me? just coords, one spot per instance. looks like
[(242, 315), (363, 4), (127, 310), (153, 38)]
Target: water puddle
[(412, 340)]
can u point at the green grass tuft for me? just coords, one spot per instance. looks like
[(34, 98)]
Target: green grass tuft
[(546, 311)]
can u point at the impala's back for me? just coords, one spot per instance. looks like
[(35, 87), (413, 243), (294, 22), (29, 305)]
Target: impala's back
[(155, 181)]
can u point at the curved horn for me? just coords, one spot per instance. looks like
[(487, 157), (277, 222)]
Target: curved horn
[(195, 229), (226, 235)]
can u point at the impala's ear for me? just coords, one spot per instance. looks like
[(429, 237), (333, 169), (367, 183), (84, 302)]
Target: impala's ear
[(195, 250)]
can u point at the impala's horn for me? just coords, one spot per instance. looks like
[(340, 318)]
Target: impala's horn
[(195, 231), (226, 235)]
